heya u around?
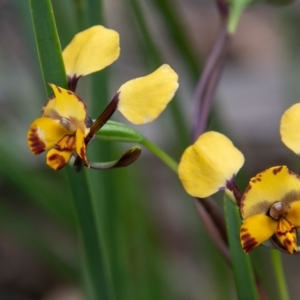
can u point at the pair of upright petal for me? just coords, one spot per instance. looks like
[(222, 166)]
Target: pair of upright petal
[(64, 125)]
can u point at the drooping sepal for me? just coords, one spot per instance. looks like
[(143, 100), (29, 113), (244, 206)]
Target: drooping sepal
[(125, 160), (256, 230), (57, 159)]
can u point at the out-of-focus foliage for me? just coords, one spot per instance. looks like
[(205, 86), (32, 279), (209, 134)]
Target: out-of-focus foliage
[(155, 242)]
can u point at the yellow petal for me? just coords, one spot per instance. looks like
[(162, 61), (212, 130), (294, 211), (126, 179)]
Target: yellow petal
[(57, 159), (270, 186), (289, 128), (208, 164), (256, 230), (44, 133), (67, 107), (80, 146), (91, 50), (141, 100), (286, 234), (294, 213)]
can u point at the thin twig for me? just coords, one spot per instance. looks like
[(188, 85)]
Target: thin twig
[(208, 81), (210, 214)]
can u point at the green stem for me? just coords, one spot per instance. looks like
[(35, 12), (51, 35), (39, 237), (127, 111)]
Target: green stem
[(170, 162), (245, 283), (237, 9), (117, 132), (279, 275)]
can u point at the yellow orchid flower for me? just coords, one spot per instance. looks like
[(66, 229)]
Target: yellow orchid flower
[(209, 165), (270, 208), (61, 127), (65, 126)]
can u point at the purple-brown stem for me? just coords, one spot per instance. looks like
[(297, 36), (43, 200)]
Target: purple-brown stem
[(72, 82), (223, 8), (208, 81), (231, 185), (103, 118), (215, 224)]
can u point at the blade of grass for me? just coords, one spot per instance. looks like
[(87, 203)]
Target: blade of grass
[(242, 268), (97, 281), (279, 275)]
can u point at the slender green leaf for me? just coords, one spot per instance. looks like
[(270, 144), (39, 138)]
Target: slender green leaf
[(48, 44), (237, 8), (242, 268), (279, 275), (49, 50), (118, 132)]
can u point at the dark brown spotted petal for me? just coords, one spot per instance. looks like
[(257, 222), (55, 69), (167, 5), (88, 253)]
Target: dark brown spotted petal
[(256, 230), (57, 159), (44, 133)]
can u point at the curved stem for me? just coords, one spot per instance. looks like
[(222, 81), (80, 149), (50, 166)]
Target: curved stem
[(170, 162), (208, 82), (279, 275)]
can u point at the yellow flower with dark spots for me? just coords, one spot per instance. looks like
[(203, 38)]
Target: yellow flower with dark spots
[(270, 208), (62, 127), (65, 127)]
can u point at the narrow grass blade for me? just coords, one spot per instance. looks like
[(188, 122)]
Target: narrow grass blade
[(97, 281), (242, 268)]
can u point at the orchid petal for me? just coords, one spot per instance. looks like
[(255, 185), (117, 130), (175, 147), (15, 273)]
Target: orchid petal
[(142, 100), (207, 165)]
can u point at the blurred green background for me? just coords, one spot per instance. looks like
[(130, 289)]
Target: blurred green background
[(157, 246)]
